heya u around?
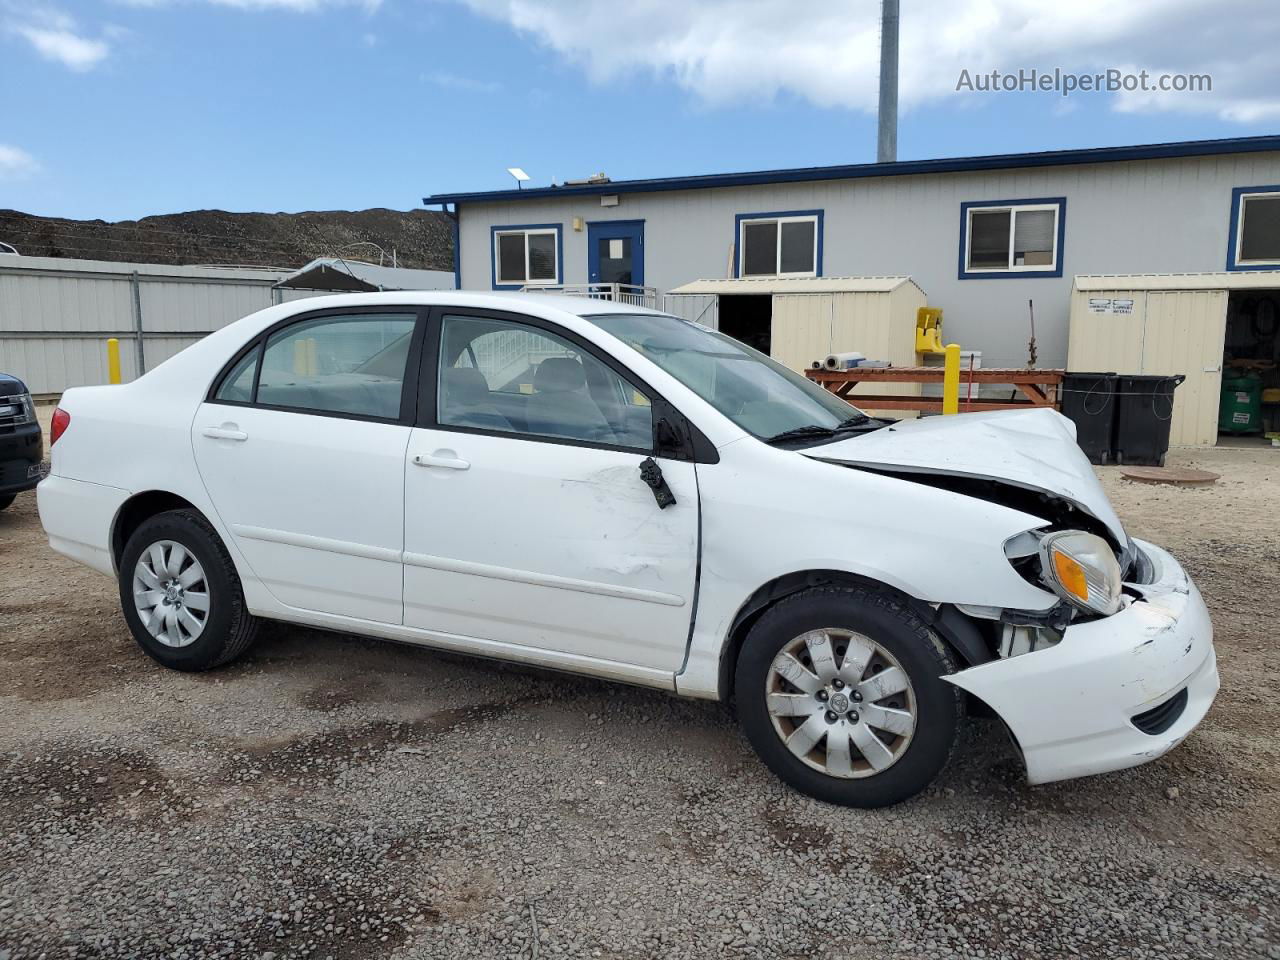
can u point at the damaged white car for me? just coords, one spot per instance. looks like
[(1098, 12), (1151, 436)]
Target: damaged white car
[(598, 488)]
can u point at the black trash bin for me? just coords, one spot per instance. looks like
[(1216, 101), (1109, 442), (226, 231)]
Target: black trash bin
[(1144, 412), (1089, 401)]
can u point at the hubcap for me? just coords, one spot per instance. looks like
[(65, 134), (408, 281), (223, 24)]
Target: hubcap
[(170, 593), (841, 703)]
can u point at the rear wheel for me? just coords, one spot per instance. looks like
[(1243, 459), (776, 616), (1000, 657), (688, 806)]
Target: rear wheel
[(840, 691), (181, 595)]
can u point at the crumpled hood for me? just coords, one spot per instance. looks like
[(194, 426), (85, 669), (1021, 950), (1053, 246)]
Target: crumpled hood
[(1035, 449)]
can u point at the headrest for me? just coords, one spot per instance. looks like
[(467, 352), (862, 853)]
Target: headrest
[(466, 386), (559, 374)]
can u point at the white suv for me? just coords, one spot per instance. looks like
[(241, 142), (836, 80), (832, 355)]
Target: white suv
[(608, 490)]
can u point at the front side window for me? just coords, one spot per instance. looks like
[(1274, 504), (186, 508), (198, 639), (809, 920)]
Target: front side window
[(1016, 238), (1256, 239), (756, 392), (335, 364), (511, 377), (526, 256), (779, 245)]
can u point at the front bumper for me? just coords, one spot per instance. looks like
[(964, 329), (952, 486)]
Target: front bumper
[(21, 453), (1072, 707)]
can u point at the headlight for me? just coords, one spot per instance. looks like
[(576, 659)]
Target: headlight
[(1082, 569), (17, 409)]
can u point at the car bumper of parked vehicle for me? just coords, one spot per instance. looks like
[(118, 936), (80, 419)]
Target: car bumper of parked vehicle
[(1115, 692), (21, 453), (78, 517)]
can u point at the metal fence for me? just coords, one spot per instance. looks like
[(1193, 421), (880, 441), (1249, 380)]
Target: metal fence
[(56, 315), (617, 292)]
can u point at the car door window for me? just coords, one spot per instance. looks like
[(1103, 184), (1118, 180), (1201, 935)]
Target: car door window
[(516, 378), (333, 364)]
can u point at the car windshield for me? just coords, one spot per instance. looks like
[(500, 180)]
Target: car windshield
[(754, 391)]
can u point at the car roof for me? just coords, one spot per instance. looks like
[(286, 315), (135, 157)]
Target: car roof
[(492, 299)]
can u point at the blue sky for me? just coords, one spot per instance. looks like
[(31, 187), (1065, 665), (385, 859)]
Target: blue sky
[(123, 109)]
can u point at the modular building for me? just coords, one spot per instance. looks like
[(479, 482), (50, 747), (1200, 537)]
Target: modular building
[(994, 241)]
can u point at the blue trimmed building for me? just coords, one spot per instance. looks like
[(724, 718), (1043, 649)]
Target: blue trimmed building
[(981, 236)]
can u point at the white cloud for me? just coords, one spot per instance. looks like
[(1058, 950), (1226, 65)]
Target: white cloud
[(16, 163), (57, 37), (735, 51)]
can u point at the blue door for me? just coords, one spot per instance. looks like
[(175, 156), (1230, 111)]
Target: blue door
[(615, 252)]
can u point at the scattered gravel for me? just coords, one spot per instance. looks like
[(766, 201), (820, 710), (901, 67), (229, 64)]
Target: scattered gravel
[(335, 797)]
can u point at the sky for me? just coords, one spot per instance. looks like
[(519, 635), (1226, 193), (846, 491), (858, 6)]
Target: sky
[(118, 109)]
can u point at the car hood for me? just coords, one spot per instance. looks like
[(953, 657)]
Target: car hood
[(1033, 449)]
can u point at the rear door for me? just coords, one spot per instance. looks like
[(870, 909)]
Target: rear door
[(301, 447), (528, 522)]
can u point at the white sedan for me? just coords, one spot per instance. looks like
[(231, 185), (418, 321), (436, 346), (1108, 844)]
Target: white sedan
[(612, 491)]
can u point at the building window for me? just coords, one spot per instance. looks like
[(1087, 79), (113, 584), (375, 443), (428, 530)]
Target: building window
[(1255, 229), (779, 244), (526, 255), (1020, 238)]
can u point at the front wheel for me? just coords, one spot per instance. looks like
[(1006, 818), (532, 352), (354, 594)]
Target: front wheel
[(181, 595), (7, 499), (840, 692)]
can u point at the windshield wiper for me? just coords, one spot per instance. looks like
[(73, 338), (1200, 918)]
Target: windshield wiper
[(809, 430)]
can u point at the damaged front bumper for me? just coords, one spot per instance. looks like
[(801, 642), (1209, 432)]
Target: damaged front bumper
[(1116, 691)]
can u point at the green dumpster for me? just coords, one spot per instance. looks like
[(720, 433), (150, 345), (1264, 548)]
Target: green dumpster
[(1240, 410)]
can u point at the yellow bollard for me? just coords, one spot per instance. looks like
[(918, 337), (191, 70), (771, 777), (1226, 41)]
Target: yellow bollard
[(113, 361), (313, 362), (951, 379)]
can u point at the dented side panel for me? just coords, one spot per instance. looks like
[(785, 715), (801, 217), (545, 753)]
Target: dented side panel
[(768, 513), (551, 546)]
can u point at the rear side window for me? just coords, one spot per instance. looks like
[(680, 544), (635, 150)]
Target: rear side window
[(334, 364)]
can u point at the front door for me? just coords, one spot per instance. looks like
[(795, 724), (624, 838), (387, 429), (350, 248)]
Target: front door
[(615, 252), (301, 449), (528, 523)]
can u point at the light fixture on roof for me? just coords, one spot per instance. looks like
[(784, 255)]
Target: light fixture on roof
[(520, 176)]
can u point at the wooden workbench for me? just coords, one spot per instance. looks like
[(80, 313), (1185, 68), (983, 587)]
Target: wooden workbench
[(1039, 387)]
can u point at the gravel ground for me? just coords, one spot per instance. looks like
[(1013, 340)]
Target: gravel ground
[(335, 797)]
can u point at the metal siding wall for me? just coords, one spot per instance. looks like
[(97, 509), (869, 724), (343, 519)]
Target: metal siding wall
[(1104, 342), (700, 308), (183, 306), (1134, 217), (1184, 334), (37, 294), (1170, 332), (801, 328)]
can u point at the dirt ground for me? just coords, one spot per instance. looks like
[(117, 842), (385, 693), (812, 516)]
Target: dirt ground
[(335, 797)]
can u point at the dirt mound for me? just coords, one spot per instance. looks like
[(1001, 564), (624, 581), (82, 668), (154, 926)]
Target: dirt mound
[(421, 239)]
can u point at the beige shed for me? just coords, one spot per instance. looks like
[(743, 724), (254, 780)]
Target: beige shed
[(1162, 324), (805, 318)]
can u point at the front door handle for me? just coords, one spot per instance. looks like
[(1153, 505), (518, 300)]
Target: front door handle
[(228, 432), (442, 458)]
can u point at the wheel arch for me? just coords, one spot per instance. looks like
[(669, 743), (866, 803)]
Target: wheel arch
[(961, 633), (139, 508)]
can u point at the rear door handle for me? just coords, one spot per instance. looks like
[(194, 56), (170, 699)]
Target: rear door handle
[(225, 433), (442, 458)]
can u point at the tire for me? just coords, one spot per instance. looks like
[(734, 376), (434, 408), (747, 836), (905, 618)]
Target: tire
[(859, 626), (7, 499), (193, 558)]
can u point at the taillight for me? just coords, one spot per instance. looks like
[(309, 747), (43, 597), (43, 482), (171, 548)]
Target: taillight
[(61, 420)]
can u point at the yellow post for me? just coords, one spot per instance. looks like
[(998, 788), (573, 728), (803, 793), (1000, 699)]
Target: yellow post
[(951, 379), (113, 360)]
